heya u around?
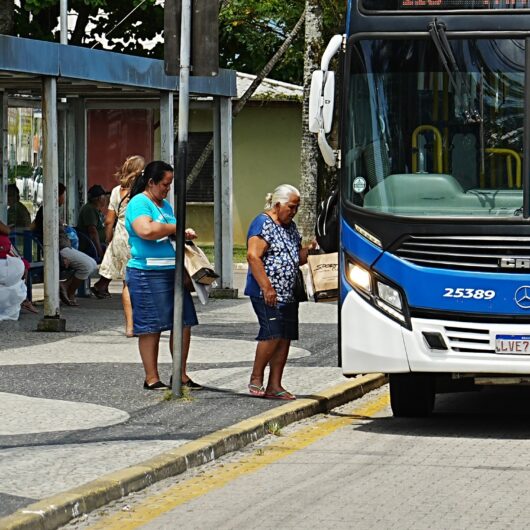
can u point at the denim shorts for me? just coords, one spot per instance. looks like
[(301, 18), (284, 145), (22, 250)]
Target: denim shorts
[(276, 322), (152, 294)]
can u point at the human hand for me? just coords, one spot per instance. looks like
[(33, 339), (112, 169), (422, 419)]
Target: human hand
[(269, 296), (189, 234)]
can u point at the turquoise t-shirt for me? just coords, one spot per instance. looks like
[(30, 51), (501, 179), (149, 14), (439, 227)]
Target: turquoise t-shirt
[(149, 254)]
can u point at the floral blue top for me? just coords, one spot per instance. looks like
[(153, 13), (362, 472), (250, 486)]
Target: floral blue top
[(281, 259)]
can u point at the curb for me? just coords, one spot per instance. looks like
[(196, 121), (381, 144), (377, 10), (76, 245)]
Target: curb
[(55, 511)]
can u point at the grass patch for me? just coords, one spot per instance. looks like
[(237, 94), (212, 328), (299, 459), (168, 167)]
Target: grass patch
[(239, 254), (186, 395), (274, 429)]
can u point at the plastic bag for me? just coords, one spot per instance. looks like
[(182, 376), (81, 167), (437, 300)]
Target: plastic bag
[(72, 236)]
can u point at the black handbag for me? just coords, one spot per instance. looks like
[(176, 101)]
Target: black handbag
[(299, 290)]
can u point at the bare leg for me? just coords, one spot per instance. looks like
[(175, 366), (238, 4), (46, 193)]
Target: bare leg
[(277, 364), (148, 346), (127, 310), (186, 340), (72, 285), (265, 351)]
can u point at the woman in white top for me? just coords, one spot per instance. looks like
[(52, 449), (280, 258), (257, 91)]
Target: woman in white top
[(118, 251)]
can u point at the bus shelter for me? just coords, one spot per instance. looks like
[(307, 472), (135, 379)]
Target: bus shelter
[(65, 81)]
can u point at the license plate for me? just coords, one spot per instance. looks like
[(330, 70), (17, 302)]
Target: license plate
[(516, 344)]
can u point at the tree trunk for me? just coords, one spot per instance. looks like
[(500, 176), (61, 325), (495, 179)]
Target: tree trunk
[(194, 173), (309, 151), (7, 20)]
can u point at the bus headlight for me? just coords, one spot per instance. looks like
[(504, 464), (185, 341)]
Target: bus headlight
[(359, 277), (389, 295), (378, 291)]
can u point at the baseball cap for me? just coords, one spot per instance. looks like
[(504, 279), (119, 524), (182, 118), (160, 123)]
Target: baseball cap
[(96, 191)]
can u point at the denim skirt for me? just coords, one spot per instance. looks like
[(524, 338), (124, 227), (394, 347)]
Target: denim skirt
[(152, 294), (276, 322)]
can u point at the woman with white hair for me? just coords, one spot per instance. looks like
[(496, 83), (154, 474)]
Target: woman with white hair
[(274, 255)]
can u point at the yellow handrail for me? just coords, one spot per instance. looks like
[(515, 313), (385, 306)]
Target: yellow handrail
[(509, 153), (438, 146)]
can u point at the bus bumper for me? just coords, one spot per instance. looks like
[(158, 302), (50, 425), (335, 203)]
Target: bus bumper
[(372, 342)]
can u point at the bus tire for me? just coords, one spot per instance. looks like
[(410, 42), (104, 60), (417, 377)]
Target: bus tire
[(412, 395)]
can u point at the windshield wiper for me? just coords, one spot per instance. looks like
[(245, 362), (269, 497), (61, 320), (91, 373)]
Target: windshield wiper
[(445, 52)]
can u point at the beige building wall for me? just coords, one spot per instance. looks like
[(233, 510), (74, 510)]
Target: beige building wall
[(266, 151)]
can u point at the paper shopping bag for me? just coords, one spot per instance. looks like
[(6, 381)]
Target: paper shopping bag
[(197, 264), (325, 274)]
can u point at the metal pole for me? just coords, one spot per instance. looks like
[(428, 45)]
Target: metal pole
[(227, 281), (64, 21), (167, 134), (180, 192), (50, 194), (526, 136), (217, 188), (4, 165)]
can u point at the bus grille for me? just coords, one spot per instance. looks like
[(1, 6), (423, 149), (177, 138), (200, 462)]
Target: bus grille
[(477, 253), (466, 340)]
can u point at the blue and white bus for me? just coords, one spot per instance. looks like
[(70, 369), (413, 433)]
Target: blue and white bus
[(434, 193)]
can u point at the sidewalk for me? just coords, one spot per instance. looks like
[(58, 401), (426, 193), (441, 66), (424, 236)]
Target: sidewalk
[(73, 407)]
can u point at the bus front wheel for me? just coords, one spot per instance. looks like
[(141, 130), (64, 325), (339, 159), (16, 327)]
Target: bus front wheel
[(412, 395)]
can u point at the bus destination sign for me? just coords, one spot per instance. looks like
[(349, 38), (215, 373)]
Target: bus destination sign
[(444, 5)]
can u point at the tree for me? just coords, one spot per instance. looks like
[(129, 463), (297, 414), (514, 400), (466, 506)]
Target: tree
[(7, 21), (322, 20)]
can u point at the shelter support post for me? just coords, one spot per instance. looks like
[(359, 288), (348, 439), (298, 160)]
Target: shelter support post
[(80, 139), (51, 320), (223, 214), (4, 166), (167, 134), (70, 174), (226, 192)]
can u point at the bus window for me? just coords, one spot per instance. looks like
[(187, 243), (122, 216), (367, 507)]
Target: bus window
[(423, 141)]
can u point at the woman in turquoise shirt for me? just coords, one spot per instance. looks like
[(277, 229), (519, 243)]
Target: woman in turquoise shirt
[(150, 222)]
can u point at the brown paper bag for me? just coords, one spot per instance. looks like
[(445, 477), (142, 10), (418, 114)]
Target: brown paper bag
[(197, 264), (325, 274)]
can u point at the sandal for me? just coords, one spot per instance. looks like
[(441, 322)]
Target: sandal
[(28, 306), (284, 395), (256, 390), (64, 298), (97, 293)]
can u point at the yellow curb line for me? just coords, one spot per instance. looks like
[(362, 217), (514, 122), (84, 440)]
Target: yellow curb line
[(55, 511)]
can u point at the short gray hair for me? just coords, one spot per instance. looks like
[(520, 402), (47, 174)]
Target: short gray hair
[(280, 195)]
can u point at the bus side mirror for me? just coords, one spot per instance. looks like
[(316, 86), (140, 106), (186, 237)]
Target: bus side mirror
[(322, 100)]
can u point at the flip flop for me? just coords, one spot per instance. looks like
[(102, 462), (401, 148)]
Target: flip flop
[(256, 390), (284, 395), (28, 306)]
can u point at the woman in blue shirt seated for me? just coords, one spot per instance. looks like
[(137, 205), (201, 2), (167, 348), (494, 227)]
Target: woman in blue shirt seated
[(150, 274)]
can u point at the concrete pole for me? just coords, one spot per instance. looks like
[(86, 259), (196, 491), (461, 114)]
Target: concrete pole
[(167, 135), (51, 320), (64, 21), (4, 162), (217, 202), (180, 191), (70, 177), (226, 192), (80, 156)]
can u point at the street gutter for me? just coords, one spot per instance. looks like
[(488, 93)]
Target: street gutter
[(56, 511)]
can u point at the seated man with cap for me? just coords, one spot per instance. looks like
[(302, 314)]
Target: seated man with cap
[(91, 222)]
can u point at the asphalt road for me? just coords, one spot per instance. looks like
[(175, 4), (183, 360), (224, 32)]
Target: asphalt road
[(465, 467)]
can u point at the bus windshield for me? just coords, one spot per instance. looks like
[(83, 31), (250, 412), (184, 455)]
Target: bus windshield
[(428, 136)]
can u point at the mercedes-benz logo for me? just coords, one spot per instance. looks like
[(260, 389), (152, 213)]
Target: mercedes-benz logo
[(522, 297)]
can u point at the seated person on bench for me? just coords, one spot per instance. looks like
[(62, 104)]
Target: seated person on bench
[(81, 264)]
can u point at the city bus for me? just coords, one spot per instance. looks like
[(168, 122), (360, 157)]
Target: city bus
[(434, 128)]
